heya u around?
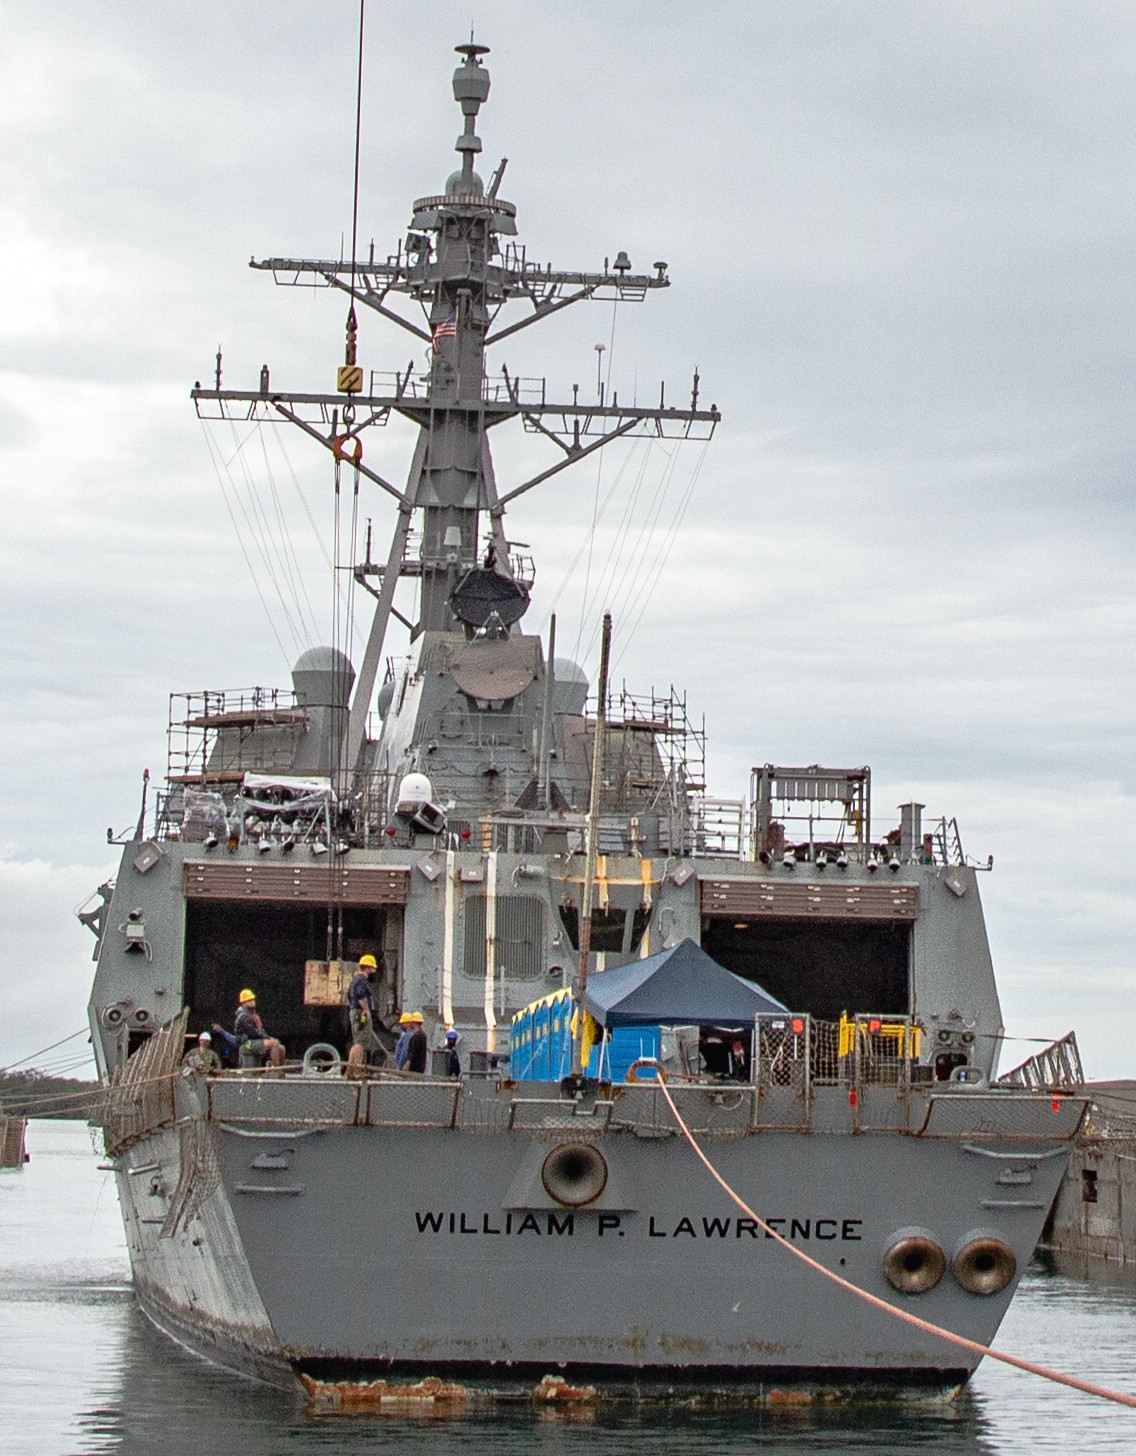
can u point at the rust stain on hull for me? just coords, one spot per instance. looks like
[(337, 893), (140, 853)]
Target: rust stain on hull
[(429, 1395), (555, 1390), (327, 1397)]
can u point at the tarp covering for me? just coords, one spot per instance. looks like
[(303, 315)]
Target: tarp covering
[(679, 987)]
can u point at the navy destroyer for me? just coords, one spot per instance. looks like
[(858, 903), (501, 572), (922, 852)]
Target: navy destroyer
[(505, 844)]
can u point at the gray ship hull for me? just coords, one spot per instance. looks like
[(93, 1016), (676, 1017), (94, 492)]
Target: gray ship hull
[(407, 1252)]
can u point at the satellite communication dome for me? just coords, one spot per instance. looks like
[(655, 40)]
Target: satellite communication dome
[(456, 183), (322, 678), (415, 789)]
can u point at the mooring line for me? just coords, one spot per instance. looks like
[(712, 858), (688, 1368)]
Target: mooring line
[(1087, 1386)]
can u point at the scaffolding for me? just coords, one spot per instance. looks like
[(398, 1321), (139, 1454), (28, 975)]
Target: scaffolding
[(215, 737), (654, 767)]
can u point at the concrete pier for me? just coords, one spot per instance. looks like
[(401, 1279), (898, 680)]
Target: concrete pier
[(1095, 1209)]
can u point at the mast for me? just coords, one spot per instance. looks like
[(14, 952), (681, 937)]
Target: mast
[(459, 265)]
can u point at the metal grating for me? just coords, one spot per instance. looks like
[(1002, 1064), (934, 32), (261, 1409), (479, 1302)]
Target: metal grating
[(519, 934), (304, 1101)]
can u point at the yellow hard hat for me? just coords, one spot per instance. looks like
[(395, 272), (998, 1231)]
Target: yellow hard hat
[(369, 960), (416, 1016), (406, 1018), (246, 995)]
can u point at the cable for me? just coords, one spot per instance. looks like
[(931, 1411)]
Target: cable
[(596, 498), (288, 558), (83, 1031), (609, 578), (629, 588), (572, 565), (668, 545), (215, 458), (316, 532), (262, 534), (358, 136), (1101, 1391)]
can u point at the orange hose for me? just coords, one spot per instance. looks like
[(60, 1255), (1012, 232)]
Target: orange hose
[(1101, 1391)]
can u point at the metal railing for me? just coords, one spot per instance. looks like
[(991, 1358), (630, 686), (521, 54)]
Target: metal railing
[(140, 1099), (1056, 1067)]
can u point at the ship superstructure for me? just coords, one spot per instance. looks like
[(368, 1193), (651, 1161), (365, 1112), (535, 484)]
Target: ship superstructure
[(451, 844)]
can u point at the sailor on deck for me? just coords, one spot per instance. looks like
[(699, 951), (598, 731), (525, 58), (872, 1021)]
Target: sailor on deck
[(201, 1058)]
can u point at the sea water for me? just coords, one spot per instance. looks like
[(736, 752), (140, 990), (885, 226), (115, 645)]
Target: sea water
[(81, 1371)]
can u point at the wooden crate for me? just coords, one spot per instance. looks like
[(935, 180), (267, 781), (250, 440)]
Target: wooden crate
[(13, 1152), (326, 982)]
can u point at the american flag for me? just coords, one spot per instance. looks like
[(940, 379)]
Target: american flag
[(447, 329)]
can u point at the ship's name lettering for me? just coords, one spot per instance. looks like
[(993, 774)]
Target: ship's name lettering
[(550, 1224)]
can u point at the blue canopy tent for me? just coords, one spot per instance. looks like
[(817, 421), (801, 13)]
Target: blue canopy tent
[(679, 987)]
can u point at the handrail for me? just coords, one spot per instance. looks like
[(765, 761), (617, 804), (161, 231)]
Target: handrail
[(1055, 1066)]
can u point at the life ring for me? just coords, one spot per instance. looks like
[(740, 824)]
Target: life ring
[(322, 1058), (645, 1062)]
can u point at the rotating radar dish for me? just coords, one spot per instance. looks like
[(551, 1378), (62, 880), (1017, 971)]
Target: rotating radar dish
[(483, 593)]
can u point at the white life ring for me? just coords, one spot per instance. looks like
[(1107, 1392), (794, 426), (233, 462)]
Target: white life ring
[(322, 1058)]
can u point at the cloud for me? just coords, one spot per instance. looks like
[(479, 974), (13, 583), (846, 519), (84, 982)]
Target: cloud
[(46, 955)]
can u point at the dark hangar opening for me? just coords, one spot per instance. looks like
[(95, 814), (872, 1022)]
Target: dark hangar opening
[(263, 946), (822, 967)]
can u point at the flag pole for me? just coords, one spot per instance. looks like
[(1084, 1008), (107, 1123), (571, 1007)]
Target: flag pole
[(590, 850)]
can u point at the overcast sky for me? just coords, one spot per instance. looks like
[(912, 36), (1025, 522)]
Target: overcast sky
[(901, 241)]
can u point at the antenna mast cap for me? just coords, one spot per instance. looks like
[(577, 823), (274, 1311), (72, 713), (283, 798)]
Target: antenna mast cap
[(471, 81)]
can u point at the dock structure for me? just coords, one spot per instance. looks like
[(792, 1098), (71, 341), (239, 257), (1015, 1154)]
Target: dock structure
[(1095, 1209), (13, 1144)]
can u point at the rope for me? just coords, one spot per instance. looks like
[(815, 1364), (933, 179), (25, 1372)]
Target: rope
[(269, 1073), (1072, 1381), (83, 1031)]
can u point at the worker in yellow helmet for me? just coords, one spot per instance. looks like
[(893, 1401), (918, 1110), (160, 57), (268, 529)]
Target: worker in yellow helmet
[(257, 1047), (418, 1045), (406, 1031), (361, 1011)]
